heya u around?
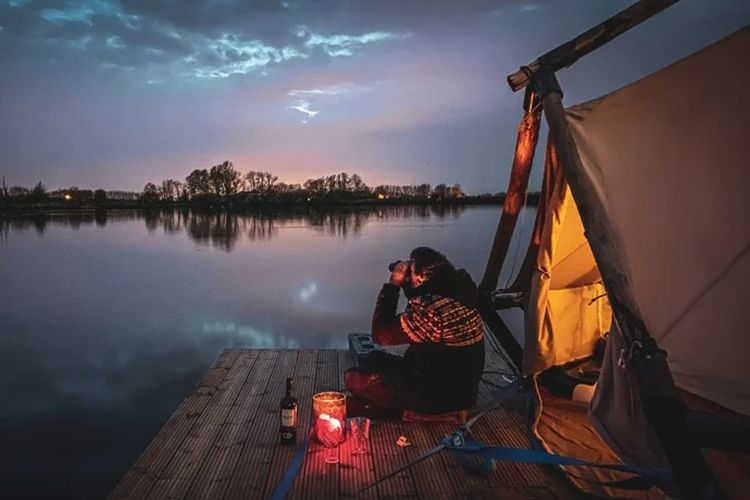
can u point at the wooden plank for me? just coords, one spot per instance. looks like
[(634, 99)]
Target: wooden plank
[(355, 471), (388, 457), (320, 480), (429, 476), (229, 447), (213, 477), (304, 387), (152, 462), (489, 432), (254, 463), (175, 480)]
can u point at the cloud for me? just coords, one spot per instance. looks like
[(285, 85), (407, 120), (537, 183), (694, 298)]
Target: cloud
[(303, 106), (115, 42), (79, 11), (197, 41), (522, 7), (345, 45), (230, 55), (337, 89), (307, 291)]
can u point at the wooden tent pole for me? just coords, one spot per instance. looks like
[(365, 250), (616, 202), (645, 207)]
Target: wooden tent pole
[(663, 406), (566, 54), (522, 282), (528, 136)]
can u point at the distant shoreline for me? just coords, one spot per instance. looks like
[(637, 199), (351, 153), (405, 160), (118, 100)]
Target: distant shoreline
[(62, 206)]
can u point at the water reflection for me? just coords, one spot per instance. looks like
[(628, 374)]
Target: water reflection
[(108, 319), (225, 230)]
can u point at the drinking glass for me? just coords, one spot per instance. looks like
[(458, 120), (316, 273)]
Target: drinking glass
[(360, 429)]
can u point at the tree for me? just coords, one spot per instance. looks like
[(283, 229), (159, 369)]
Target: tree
[(315, 186), (170, 189), (39, 192), (224, 179), (150, 192), (84, 195), (342, 181), (269, 180), (260, 181), (358, 184), (18, 191), (253, 180), (100, 196), (440, 191), (198, 182)]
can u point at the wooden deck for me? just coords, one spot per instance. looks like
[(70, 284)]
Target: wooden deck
[(222, 441)]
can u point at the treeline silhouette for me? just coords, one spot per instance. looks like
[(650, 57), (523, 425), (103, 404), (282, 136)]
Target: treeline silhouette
[(224, 229), (224, 186)]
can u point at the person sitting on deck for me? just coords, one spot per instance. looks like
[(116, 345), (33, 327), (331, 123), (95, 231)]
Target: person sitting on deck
[(441, 369)]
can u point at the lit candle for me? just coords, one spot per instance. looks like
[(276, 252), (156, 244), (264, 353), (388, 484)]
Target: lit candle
[(328, 430), (329, 414)]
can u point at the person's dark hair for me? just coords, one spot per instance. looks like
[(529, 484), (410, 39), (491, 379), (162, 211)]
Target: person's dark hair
[(428, 262), (442, 278)]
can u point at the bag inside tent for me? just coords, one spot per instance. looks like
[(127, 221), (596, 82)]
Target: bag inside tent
[(664, 158)]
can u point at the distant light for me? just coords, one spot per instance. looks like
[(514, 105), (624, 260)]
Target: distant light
[(68, 197), (381, 196)]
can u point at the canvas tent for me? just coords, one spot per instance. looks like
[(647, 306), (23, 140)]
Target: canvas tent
[(642, 239)]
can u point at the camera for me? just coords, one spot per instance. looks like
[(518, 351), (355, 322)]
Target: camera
[(393, 265)]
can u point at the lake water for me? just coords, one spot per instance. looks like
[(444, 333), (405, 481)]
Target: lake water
[(108, 321)]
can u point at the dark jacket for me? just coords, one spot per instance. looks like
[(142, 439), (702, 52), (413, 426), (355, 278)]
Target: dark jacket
[(446, 352)]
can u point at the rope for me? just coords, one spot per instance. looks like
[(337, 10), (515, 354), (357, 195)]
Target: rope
[(520, 225), (501, 352)]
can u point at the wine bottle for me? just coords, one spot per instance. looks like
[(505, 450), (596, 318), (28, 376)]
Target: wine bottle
[(288, 428)]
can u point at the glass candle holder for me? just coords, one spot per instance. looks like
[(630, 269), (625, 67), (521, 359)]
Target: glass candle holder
[(329, 417)]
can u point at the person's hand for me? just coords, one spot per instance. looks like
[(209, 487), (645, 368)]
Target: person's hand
[(399, 273)]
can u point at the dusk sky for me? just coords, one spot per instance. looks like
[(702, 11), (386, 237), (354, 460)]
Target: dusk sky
[(114, 94)]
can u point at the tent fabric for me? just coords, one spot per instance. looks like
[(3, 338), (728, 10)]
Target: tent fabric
[(568, 311), (617, 410), (563, 428), (667, 156)]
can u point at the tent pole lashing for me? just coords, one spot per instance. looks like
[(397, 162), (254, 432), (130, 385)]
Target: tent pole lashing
[(566, 54)]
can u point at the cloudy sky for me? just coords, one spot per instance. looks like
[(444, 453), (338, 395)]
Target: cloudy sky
[(116, 93)]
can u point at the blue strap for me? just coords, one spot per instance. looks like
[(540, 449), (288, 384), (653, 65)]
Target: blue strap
[(291, 472), (481, 459)]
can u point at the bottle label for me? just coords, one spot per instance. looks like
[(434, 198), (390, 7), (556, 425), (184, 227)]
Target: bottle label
[(289, 418)]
